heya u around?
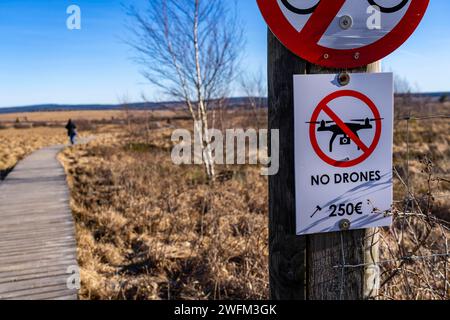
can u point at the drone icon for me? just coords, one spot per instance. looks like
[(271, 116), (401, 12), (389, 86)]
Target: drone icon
[(361, 124)]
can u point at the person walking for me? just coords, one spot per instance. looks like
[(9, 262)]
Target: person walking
[(71, 131)]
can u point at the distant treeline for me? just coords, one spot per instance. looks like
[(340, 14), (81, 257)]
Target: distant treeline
[(60, 107), (433, 96), (231, 102)]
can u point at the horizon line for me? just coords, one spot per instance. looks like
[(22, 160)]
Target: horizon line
[(433, 93)]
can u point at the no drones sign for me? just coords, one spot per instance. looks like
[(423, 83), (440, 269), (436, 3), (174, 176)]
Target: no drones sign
[(343, 33), (343, 152), (348, 131)]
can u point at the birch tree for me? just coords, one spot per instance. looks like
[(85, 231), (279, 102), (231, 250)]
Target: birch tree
[(190, 50)]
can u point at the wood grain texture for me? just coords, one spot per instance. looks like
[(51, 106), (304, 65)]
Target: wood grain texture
[(37, 235), (287, 264), (302, 267)]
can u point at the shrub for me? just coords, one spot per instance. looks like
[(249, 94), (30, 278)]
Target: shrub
[(19, 125)]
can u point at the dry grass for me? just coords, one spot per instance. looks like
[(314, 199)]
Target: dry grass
[(62, 116), (415, 248), (15, 144), (430, 139), (23, 133), (148, 229)]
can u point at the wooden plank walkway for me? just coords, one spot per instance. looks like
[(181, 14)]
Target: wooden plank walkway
[(37, 235)]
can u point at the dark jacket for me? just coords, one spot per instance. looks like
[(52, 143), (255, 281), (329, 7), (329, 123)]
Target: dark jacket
[(71, 127)]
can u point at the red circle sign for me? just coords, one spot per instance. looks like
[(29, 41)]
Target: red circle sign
[(304, 31), (323, 107)]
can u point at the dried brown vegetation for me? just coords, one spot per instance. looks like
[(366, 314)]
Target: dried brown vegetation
[(414, 251), (414, 141), (62, 116), (15, 144), (148, 229)]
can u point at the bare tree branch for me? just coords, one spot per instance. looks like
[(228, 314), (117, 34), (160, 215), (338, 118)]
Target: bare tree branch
[(190, 50)]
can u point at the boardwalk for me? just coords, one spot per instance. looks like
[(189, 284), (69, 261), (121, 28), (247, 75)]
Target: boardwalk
[(37, 240)]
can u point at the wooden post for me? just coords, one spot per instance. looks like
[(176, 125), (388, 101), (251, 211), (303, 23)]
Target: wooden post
[(287, 267), (372, 242), (303, 267)]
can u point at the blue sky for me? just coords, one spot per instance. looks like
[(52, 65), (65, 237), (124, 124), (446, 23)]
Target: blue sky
[(41, 61)]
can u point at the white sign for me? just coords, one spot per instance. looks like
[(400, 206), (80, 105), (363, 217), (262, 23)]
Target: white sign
[(343, 152)]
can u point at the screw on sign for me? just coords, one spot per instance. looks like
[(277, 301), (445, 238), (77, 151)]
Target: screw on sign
[(336, 33), (348, 131)]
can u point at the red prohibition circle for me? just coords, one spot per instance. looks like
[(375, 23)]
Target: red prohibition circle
[(305, 43), (322, 105)]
